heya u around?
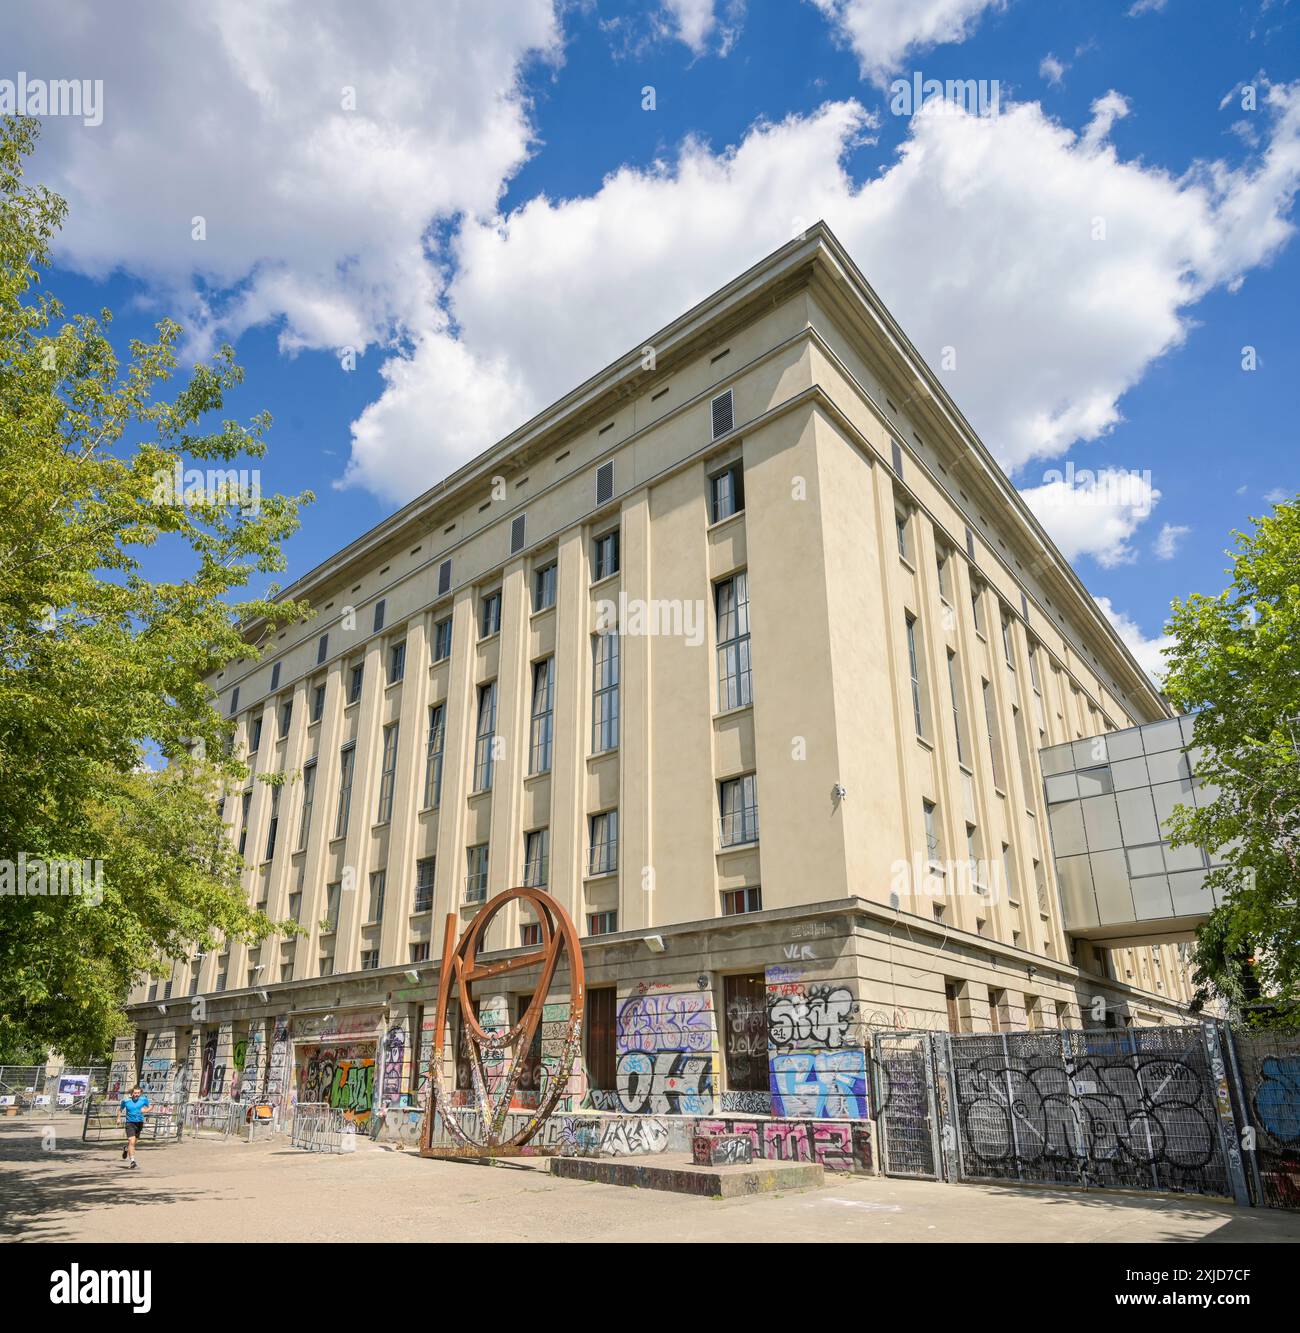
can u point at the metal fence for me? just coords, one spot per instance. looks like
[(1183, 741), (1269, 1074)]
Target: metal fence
[(1266, 1065), (904, 1086), (318, 1127), (165, 1125), (1134, 1108), (209, 1116), (44, 1090)]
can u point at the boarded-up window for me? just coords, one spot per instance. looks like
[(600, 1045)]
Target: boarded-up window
[(746, 1032), (602, 1055)]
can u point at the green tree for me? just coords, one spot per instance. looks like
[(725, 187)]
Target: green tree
[(1235, 661), (102, 668)]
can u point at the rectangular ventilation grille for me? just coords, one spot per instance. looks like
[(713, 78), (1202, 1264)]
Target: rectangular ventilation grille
[(723, 416), (605, 483), (517, 534), (444, 577), (896, 456)]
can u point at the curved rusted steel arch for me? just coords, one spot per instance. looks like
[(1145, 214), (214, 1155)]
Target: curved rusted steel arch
[(460, 969)]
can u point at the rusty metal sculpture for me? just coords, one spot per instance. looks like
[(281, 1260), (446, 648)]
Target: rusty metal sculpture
[(460, 969)]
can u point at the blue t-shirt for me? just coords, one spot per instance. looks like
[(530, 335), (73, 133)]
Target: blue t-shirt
[(134, 1108)]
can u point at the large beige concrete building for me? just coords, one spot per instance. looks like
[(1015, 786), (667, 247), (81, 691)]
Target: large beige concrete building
[(745, 650)]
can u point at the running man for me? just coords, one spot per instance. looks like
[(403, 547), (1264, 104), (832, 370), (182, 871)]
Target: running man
[(134, 1108)]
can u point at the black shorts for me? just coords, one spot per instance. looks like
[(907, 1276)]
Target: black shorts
[(133, 1129)]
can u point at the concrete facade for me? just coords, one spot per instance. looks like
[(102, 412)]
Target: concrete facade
[(824, 767)]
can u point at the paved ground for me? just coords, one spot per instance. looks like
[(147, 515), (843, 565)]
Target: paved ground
[(203, 1190)]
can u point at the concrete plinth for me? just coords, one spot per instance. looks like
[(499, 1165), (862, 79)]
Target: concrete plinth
[(676, 1173)]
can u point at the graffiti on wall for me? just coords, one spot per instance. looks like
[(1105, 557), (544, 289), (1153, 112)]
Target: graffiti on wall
[(817, 1067), (665, 1042), (394, 1061), (341, 1075), (277, 1066)]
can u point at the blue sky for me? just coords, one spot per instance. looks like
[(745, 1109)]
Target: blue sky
[(479, 203)]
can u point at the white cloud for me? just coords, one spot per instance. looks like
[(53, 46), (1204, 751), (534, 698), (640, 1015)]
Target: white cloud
[(1277, 496), (1051, 69), (234, 112), (1093, 514), (1169, 540), (1149, 653), (884, 33), (948, 234), (698, 24)]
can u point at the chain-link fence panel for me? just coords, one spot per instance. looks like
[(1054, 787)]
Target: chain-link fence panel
[(1268, 1064)]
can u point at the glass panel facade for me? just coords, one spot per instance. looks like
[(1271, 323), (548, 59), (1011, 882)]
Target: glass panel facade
[(1109, 799)]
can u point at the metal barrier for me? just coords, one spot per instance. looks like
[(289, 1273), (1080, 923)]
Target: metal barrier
[(1266, 1066), (43, 1090), (318, 1127), (1133, 1108), (101, 1124), (213, 1117)]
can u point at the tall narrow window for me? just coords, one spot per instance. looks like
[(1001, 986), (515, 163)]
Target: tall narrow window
[(433, 756), (286, 716), (396, 662), (333, 904), (379, 616), (604, 692), (956, 705), (489, 616), (485, 736), (255, 735), (322, 648), (943, 560), (1034, 678), (274, 825), (424, 869), (977, 604), (356, 679), (604, 555), (347, 762), (537, 858), (726, 492), (738, 804), (544, 586), (601, 1036), (442, 640), (602, 854), (477, 878), (929, 813), (245, 802), (308, 798), (539, 741), (731, 605), (914, 668), (995, 737), (317, 702), (375, 910), (1006, 641), (387, 775), (902, 531)]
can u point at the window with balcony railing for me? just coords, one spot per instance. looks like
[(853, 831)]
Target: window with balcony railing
[(602, 852), (424, 869), (539, 741), (485, 736), (738, 804), (537, 858), (731, 606), (476, 880)]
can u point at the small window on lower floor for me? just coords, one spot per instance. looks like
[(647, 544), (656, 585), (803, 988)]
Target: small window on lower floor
[(327, 965), (369, 959), (602, 923), (736, 901), (420, 952), (530, 933)]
